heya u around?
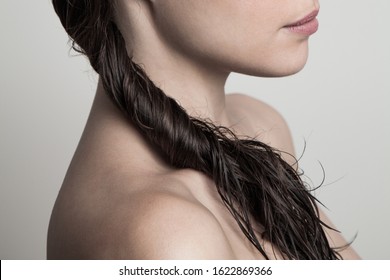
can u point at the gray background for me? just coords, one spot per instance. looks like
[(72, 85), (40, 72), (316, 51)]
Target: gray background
[(337, 105)]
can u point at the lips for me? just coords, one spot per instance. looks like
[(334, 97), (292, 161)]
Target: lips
[(306, 19), (305, 26)]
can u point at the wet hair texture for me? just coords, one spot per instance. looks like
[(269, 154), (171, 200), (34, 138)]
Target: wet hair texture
[(257, 186)]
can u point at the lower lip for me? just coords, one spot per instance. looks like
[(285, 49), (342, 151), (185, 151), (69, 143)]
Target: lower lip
[(307, 28)]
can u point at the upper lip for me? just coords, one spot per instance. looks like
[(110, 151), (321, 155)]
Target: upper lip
[(307, 18)]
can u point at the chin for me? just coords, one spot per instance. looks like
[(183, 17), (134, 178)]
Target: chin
[(279, 65), (287, 70), (277, 71), (282, 62)]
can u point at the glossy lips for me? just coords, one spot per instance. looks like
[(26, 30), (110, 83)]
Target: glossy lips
[(306, 26)]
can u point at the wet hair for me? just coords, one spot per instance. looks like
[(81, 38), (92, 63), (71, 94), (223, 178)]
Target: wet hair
[(256, 185)]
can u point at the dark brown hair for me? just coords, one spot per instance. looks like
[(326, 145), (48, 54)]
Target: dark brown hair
[(254, 182)]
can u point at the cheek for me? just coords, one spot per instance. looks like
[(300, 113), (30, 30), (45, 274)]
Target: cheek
[(266, 53), (271, 56), (248, 43), (190, 20)]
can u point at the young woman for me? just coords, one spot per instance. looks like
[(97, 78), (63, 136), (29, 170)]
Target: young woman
[(169, 166)]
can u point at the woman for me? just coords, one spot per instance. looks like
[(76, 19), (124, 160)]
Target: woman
[(169, 167)]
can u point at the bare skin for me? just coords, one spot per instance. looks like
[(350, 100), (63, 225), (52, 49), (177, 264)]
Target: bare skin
[(119, 199), (117, 205)]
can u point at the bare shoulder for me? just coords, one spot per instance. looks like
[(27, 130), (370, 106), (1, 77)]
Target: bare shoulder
[(159, 219), (162, 223), (166, 226), (260, 120)]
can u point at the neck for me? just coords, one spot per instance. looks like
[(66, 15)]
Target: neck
[(198, 89), (196, 85)]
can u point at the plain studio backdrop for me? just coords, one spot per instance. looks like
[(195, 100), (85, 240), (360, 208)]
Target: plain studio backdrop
[(337, 105)]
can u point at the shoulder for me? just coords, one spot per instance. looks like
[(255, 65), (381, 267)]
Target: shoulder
[(262, 120), (164, 224), (152, 218)]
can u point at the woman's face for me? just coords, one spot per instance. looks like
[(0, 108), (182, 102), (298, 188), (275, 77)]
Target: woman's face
[(245, 36)]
